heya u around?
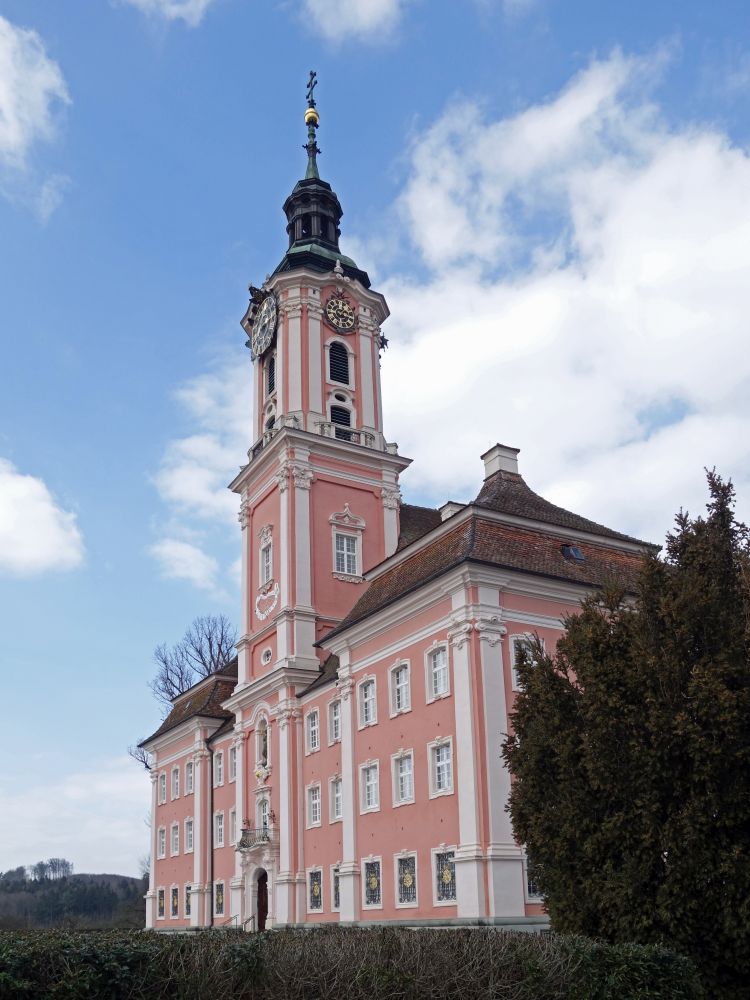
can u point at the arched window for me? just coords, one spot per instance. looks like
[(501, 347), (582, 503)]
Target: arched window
[(342, 418), (270, 422), (271, 375), (338, 363)]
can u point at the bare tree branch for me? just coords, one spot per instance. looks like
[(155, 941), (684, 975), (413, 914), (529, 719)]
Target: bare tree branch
[(140, 756), (206, 647)]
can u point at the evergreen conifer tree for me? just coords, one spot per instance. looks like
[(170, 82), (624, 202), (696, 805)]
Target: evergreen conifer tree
[(630, 754)]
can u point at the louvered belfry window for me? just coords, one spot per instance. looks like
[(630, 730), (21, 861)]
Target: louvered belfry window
[(270, 375), (342, 418), (338, 363)]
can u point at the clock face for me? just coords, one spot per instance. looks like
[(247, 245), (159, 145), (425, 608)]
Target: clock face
[(264, 326), (340, 314)]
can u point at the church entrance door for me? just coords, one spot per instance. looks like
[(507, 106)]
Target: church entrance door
[(262, 900)]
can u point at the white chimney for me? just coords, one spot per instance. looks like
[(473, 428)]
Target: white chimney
[(500, 458), (449, 509)]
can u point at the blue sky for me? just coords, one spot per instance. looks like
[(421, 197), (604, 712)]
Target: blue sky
[(553, 197)]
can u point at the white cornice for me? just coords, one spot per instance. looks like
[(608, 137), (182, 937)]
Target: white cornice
[(281, 676), (192, 725), (304, 277)]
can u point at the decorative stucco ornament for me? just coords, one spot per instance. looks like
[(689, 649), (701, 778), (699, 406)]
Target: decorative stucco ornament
[(265, 603)]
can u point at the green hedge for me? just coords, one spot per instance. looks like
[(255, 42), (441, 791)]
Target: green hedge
[(348, 963)]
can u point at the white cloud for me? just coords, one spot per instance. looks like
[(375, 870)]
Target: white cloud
[(32, 91), (339, 20), (189, 11), (36, 534), (181, 560), (94, 818), (586, 301)]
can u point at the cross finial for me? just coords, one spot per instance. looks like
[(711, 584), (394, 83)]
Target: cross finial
[(312, 120)]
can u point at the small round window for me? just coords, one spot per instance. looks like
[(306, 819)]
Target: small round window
[(266, 655), (340, 397)]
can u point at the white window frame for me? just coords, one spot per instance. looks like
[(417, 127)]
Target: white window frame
[(363, 768), (332, 706), (161, 891), (161, 842), (174, 911), (365, 904), (514, 641), (347, 388), (312, 728), (189, 777), (187, 894), (174, 829), (162, 787), (429, 672), (441, 849), (232, 764), (216, 913), (529, 897), (266, 563), (352, 559), (395, 760), (333, 783), (189, 840), (361, 723), (432, 749), (393, 687), (351, 526), (308, 886), (174, 785), (264, 823), (336, 868), (311, 822), (218, 768), (396, 858), (219, 831), (232, 826)]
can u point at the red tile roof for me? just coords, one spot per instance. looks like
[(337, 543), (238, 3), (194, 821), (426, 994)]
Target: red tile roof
[(202, 699), (415, 522)]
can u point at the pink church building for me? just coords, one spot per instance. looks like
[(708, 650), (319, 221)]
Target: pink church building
[(346, 766)]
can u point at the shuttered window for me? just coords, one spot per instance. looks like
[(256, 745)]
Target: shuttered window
[(342, 418), (338, 363), (271, 374)]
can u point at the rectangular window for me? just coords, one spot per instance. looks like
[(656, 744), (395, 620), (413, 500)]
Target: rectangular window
[(370, 787), (403, 779), (442, 769), (313, 731), (445, 876), (161, 848), (336, 890), (175, 842), (400, 689), (315, 899), (219, 899), (373, 895), (219, 767), (233, 826), (266, 564), (346, 555), (406, 879), (219, 830), (175, 782), (337, 801), (438, 672), (189, 778), (263, 814), (521, 646), (188, 836), (233, 763), (160, 904), (533, 893), (367, 704), (313, 805), (187, 900), (174, 902), (334, 721), (162, 788)]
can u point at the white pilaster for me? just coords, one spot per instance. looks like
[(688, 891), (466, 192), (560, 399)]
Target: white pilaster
[(284, 563), (285, 879), (294, 341), (302, 477), (366, 380), (469, 859), (314, 369), (244, 666), (349, 873), (151, 894), (236, 884), (391, 499)]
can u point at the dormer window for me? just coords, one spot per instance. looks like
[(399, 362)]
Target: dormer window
[(338, 363)]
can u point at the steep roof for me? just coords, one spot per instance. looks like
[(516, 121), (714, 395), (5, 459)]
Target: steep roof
[(527, 548), (202, 699), (415, 522), (328, 672), (508, 493)]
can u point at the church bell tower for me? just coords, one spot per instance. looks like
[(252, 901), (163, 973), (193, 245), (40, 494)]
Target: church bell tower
[(319, 493)]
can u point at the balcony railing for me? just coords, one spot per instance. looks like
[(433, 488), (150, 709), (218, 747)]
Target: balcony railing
[(254, 838), (328, 429)]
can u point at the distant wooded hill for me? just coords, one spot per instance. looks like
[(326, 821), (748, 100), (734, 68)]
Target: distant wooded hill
[(48, 894)]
